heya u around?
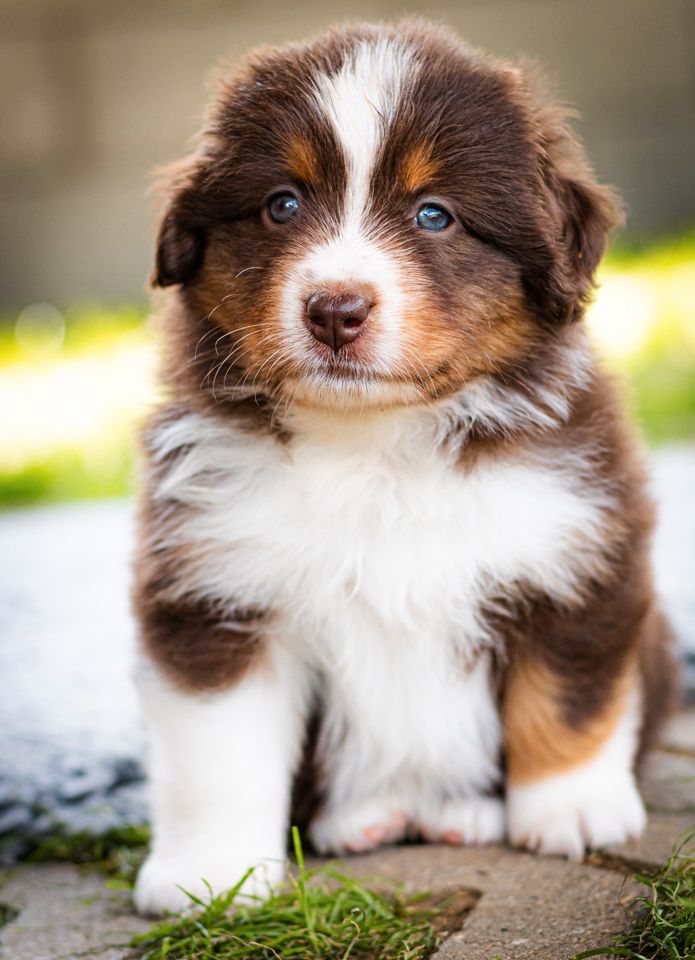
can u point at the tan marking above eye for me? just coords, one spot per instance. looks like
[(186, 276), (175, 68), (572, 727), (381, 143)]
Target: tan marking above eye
[(301, 159), (418, 167)]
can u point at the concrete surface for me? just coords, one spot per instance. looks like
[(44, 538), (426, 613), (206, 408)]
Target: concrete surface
[(527, 907), (65, 911)]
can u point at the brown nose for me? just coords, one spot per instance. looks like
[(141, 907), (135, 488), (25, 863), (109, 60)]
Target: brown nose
[(337, 319)]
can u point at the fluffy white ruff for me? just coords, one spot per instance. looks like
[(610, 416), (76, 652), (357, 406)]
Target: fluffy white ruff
[(377, 554)]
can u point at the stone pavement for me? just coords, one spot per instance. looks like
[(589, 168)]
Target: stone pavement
[(526, 907)]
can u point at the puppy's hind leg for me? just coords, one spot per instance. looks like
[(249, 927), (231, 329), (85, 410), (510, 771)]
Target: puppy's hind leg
[(221, 765)]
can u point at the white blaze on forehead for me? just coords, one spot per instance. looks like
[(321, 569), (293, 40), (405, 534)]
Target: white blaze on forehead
[(360, 101)]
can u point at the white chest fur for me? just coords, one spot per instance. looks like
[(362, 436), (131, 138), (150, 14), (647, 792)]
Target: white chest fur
[(377, 552)]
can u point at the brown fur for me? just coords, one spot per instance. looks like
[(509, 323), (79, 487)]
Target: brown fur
[(495, 297), (572, 665), (533, 221), (201, 646)]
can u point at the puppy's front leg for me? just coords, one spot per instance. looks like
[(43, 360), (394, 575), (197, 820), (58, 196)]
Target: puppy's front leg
[(220, 769), (570, 782)]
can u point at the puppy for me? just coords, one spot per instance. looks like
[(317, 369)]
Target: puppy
[(393, 571)]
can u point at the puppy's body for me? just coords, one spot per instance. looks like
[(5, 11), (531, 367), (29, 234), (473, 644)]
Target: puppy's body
[(394, 536)]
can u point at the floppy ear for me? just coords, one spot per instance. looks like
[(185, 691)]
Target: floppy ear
[(179, 254), (182, 237), (581, 215)]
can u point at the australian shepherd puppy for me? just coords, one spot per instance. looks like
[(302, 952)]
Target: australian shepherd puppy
[(393, 572)]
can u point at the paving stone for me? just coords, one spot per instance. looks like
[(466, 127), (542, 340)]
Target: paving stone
[(668, 782), (665, 831), (680, 732), (529, 906), (65, 912)]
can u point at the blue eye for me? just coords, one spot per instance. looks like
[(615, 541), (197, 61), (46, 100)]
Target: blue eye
[(432, 217), (282, 207)]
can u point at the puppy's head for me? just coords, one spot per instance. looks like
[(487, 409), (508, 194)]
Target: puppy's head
[(381, 216)]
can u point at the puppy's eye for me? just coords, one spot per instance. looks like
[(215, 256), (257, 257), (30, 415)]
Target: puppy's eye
[(432, 217), (282, 207)]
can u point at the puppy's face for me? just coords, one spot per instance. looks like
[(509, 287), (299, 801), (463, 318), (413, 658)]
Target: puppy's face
[(379, 217)]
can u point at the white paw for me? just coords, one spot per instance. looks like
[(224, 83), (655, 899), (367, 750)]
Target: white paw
[(566, 814), (158, 888), (471, 821), (357, 829)]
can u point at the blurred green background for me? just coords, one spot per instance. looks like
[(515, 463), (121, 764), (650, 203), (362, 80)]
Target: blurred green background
[(97, 94)]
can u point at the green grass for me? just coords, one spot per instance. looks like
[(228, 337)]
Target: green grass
[(321, 914), (86, 327), (660, 375), (664, 928), (318, 913), (663, 401), (117, 853), (665, 251), (75, 385), (71, 473), (8, 913)]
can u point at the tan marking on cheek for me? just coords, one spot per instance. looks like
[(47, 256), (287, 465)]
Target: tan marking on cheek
[(301, 159), (539, 741), (498, 339), (417, 168), (451, 351), (249, 333)]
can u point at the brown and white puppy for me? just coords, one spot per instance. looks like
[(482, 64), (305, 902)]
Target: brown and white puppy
[(393, 573)]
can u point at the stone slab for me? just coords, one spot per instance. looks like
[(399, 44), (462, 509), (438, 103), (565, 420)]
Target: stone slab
[(679, 734), (528, 906), (665, 832), (668, 783), (65, 912)]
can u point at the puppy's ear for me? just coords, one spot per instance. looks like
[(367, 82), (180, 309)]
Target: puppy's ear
[(182, 236), (581, 215), (179, 254)]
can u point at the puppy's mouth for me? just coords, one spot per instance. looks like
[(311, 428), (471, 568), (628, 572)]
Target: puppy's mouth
[(345, 363), (366, 372), (349, 365)]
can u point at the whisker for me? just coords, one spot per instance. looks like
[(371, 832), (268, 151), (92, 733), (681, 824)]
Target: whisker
[(228, 361)]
